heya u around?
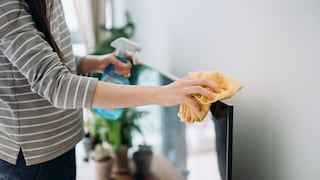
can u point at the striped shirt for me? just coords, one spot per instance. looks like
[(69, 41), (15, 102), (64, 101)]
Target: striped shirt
[(40, 99)]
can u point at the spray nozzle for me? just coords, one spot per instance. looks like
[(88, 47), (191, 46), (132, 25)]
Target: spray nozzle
[(124, 45)]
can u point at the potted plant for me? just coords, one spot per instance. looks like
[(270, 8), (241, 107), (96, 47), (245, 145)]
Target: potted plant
[(143, 159), (102, 159), (119, 134)]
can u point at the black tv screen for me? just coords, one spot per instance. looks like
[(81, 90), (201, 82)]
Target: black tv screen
[(163, 129)]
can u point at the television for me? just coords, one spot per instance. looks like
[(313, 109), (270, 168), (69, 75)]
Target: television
[(163, 129), (222, 116)]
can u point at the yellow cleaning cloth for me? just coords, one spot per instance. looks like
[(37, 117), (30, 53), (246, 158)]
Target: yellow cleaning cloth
[(227, 86)]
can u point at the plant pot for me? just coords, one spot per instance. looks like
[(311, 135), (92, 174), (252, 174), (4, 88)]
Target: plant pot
[(121, 160), (103, 169), (143, 159)]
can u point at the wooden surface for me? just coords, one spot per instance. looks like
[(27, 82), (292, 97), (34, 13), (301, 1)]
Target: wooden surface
[(161, 169)]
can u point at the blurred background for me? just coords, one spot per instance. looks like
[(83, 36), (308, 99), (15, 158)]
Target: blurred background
[(271, 46)]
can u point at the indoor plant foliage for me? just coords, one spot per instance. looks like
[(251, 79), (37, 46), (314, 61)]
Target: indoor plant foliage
[(95, 129), (119, 132)]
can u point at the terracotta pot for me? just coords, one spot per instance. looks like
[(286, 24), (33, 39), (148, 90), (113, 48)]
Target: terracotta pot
[(103, 169), (121, 160)]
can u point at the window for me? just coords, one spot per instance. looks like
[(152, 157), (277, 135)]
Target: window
[(78, 45)]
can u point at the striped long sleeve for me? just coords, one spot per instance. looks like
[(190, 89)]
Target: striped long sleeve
[(40, 99)]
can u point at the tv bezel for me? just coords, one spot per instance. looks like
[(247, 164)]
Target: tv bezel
[(228, 116)]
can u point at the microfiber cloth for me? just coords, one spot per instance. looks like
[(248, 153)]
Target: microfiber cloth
[(228, 88)]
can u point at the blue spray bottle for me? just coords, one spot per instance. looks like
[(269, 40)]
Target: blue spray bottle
[(122, 46)]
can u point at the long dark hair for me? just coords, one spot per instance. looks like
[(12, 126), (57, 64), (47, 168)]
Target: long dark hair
[(38, 11)]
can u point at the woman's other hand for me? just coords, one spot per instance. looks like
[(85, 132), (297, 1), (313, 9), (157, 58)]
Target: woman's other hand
[(99, 63), (120, 67)]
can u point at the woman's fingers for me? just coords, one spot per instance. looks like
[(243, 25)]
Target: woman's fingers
[(204, 83), (192, 103), (126, 75), (122, 68), (199, 90), (132, 58)]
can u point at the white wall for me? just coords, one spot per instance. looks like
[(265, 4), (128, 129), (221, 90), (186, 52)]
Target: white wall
[(273, 48)]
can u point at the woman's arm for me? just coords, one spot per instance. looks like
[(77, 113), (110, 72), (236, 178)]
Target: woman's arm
[(109, 95)]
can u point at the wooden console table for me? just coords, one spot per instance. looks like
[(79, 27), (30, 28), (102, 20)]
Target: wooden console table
[(161, 169)]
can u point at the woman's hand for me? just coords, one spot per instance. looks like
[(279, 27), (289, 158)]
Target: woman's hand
[(101, 62), (181, 91), (121, 68)]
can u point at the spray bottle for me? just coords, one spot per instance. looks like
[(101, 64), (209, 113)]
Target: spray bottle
[(122, 46)]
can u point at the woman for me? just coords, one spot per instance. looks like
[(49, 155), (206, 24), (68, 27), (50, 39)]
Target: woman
[(42, 93)]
